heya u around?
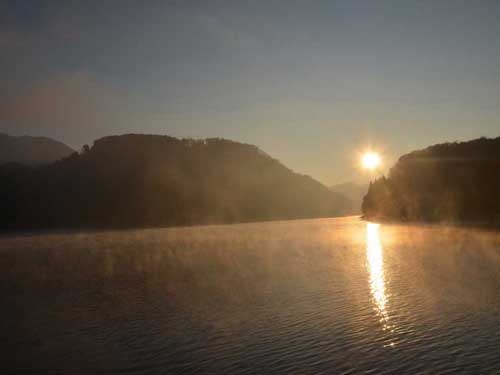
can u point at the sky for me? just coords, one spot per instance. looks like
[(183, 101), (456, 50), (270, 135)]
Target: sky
[(312, 83)]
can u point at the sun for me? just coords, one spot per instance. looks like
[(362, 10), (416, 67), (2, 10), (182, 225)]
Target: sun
[(370, 160)]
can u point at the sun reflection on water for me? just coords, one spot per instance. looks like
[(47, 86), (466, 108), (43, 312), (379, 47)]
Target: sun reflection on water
[(375, 264)]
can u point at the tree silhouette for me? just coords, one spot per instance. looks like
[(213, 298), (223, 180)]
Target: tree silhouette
[(147, 180), (445, 182)]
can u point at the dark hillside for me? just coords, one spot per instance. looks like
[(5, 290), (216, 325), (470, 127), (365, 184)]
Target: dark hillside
[(457, 182), (149, 180), (31, 150)]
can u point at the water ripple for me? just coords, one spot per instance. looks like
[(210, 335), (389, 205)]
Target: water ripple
[(313, 296)]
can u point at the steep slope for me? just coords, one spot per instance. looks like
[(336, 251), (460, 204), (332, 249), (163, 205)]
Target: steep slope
[(447, 182), (31, 150), (149, 180)]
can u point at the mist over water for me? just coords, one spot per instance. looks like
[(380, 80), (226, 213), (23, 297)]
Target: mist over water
[(306, 296)]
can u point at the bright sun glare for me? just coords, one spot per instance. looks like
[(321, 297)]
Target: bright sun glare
[(370, 160)]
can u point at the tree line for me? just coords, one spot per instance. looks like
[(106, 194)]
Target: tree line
[(149, 180), (457, 182)]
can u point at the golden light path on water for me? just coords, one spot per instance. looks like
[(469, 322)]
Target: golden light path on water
[(375, 264)]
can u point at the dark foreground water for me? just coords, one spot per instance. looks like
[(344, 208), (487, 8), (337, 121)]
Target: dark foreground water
[(332, 296)]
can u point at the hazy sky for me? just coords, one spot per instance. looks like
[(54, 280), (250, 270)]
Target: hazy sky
[(312, 83)]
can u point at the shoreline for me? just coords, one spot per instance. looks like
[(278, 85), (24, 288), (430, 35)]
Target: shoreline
[(457, 224)]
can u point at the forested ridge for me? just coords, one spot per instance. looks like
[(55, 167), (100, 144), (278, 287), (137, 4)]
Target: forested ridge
[(456, 182), (150, 180)]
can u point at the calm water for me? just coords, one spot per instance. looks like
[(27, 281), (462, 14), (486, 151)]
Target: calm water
[(315, 296)]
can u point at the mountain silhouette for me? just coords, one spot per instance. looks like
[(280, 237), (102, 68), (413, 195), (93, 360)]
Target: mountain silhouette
[(31, 150), (455, 182), (150, 180)]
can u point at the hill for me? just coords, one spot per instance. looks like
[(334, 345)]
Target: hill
[(31, 150), (354, 193), (149, 180), (457, 182)]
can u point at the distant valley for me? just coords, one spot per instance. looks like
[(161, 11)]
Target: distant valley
[(354, 193)]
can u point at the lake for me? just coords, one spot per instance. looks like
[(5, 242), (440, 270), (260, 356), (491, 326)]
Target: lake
[(319, 296)]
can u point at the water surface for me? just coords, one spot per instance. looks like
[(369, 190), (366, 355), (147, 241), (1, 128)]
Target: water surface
[(310, 296)]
